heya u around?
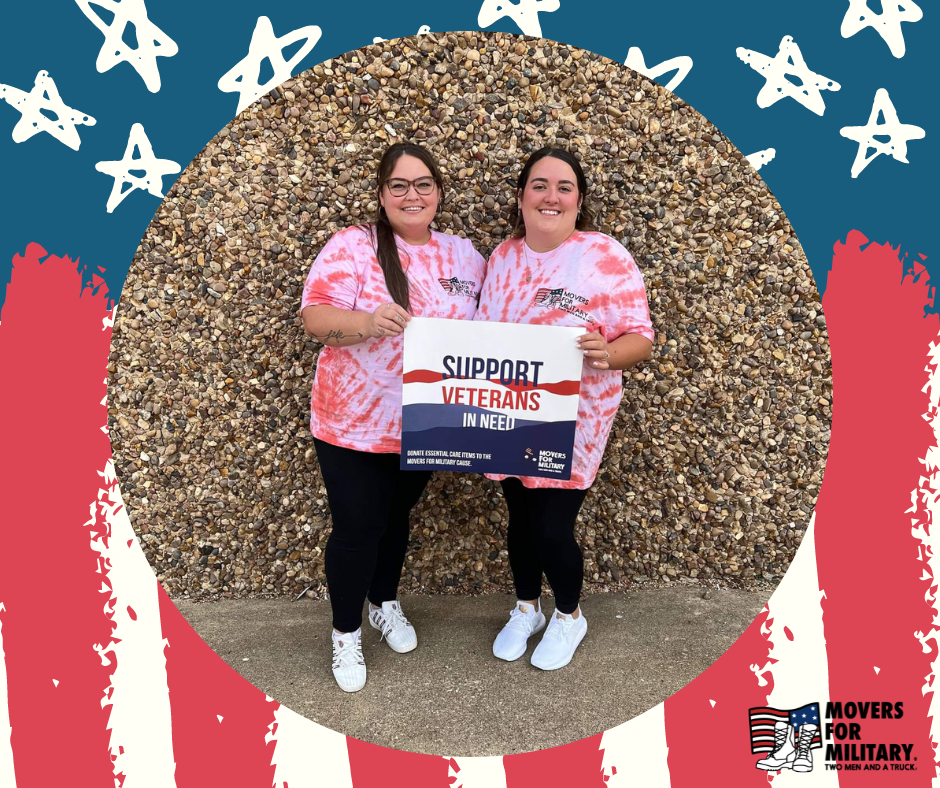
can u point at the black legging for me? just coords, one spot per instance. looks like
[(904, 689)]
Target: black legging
[(541, 538), (370, 502)]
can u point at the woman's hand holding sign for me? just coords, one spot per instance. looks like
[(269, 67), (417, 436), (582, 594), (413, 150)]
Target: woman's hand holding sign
[(623, 353), (388, 320), (595, 350)]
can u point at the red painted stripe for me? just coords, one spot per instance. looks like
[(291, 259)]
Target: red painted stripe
[(691, 721), (867, 557), (53, 353), (577, 764), (372, 766), (209, 752)]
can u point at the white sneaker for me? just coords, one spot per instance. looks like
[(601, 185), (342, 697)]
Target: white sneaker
[(349, 668), (524, 621), (563, 635), (395, 628)]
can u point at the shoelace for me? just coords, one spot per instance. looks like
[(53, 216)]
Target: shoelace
[(560, 627), (780, 739), (392, 621), (521, 621), (806, 739), (347, 653)]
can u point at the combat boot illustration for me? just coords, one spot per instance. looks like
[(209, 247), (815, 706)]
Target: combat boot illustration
[(784, 753), (804, 758)]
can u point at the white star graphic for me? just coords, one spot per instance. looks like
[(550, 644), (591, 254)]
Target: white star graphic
[(123, 171), (761, 157), (898, 134), (525, 13), (242, 78), (682, 64), (422, 31), (152, 42), (887, 23), (788, 61), (33, 106)]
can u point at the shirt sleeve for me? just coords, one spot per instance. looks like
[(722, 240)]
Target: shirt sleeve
[(628, 310), (334, 278)]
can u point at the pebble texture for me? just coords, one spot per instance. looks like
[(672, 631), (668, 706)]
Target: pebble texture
[(716, 456)]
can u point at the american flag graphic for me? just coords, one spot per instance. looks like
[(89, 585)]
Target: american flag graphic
[(545, 296), (763, 719), (448, 284)]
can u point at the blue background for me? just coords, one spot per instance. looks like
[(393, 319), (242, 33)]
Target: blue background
[(54, 196)]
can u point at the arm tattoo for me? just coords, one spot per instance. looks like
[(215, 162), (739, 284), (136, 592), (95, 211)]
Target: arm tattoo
[(337, 335)]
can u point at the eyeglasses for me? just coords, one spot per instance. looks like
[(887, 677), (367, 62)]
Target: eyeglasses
[(399, 187)]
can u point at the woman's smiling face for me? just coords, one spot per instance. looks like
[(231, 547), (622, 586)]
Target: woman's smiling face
[(411, 213), (549, 202)]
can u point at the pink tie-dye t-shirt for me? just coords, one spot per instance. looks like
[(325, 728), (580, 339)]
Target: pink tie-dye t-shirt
[(591, 281), (356, 398)]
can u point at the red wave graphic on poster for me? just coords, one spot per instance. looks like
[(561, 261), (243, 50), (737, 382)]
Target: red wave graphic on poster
[(563, 388)]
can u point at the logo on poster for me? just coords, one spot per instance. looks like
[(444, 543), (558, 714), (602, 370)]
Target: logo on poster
[(551, 461)]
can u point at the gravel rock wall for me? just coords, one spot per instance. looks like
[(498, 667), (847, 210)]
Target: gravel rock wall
[(717, 453)]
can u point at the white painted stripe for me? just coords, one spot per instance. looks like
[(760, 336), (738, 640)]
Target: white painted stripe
[(307, 755), (929, 549), (7, 776), (478, 772), (638, 751), (140, 720), (801, 674)]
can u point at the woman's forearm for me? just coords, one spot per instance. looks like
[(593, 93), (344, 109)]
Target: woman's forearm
[(628, 350), (335, 327)]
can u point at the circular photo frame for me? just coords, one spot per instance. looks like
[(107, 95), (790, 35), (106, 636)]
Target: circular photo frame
[(712, 465)]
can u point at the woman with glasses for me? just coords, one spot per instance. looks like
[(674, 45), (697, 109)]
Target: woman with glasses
[(362, 290), (556, 271)]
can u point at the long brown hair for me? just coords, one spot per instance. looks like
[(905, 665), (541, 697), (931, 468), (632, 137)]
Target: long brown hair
[(386, 249), (585, 220)]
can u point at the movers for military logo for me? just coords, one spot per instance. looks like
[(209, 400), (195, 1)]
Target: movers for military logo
[(788, 737)]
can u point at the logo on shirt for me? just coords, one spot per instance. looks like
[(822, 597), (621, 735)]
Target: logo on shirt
[(459, 287), (565, 300)]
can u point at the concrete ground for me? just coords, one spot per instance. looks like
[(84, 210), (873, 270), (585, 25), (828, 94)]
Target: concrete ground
[(451, 696)]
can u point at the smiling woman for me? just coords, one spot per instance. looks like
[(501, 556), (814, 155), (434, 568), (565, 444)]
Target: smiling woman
[(355, 413), (597, 272)]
